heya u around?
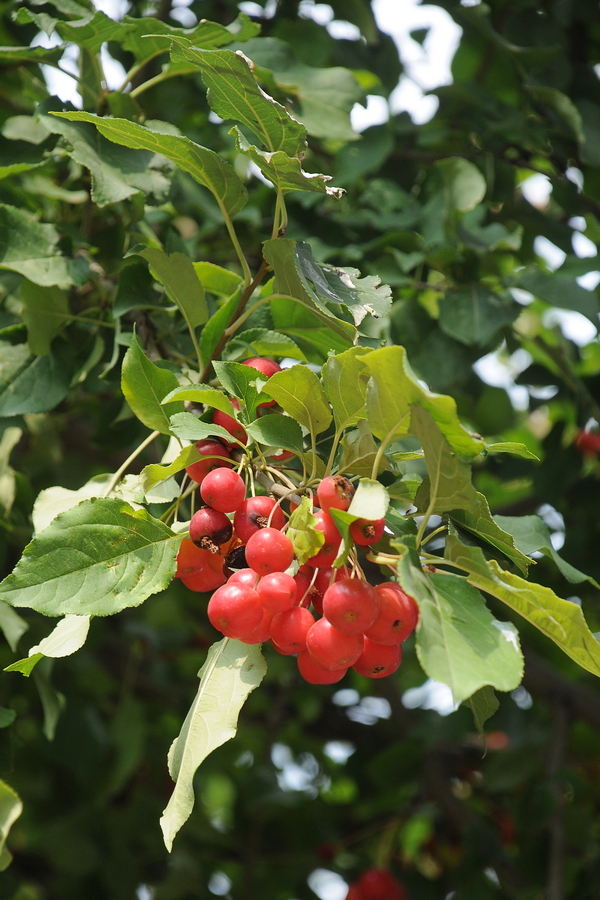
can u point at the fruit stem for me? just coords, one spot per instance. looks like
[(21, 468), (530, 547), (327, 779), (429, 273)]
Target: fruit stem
[(123, 468)]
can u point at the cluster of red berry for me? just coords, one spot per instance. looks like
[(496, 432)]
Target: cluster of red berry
[(255, 599), (376, 884)]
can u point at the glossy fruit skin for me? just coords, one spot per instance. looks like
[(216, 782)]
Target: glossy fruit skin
[(267, 368), (398, 615), (335, 492), (210, 529), (364, 532), (269, 551), (378, 660), (379, 884), (204, 581), (245, 576), (302, 586), (329, 550), (277, 591), (262, 633), (230, 424), (235, 610), (351, 605), (316, 674), (252, 515), (216, 456), (223, 490), (331, 648), (289, 629)]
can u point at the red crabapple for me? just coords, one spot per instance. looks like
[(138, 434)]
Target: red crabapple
[(230, 424), (289, 628), (215, 456), (268, 550), (378, 660), (351, 605), (210, 529), (329, 550), (253, 514), (267, 368), (277, 591), (223, 489), (335, 492), (365, 532), (398, 615), (331, 648), (316, 674), (235, 610)]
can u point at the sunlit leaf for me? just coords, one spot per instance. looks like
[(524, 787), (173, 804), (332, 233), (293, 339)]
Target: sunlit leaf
[(145, 386)]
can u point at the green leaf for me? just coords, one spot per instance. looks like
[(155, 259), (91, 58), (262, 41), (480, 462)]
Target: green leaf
[(264, 342), (394, 391), (513, 447), (45, 311), (12, 625), (54, 500), (216, 279), (298, 391), (464, 185), (234, 94), (25, 666), (32, 384), (29, 247), (474, 315), (361, 296), (204, 165), (216, 325), (562, 105), (283, 256), (7, 717), (275, 430), (176, 272), (147, 36), (483, 704), (20, 156), (145, 386), (285, 172), (95, 559), (10, 810), (117, 172), (67, 636), (53, 702), (154, 474), (406, 488), (560, 290), (459, 643), (359, 451), (202, 393), (345, 377), (41, 55), (242, 382), (530, 534), (305, 538), (188, 428), (370, 501), (478, 519), (231, 672), (560, 620), (8, 442)]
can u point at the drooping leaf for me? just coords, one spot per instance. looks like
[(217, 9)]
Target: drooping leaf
[(299, 392), (560, 620), (12, 625), (95, 559), (394, 390), (483, 704), (345, 379), (45, 311), (145, 386), (513, 447), (10, 810), (29, 247), (8, 442), (370, 501), (187, 427), (67, 636), (531, 534), (285, 172), (275, 430), (216, 279), (204, 165), (474, 315), (231, 672), (176, 272), (234, 94), (305, 538), (478, 519), (458, 641)]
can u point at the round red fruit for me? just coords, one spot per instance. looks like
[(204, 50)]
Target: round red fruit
[(331, 648), (253, 514), (587, 442), (379, 884), (262, 633), (335, 492), (329, 550), (215, 456), (269, 551), (223, 489), (378, 660), (266, 367), (244, 576), (204, 581), (210, 529), (235, 610), (230, 424), (398, 615), (354, 893), (316, 674), (364, 532), (289, 629), (351, 605), (277, 591)]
